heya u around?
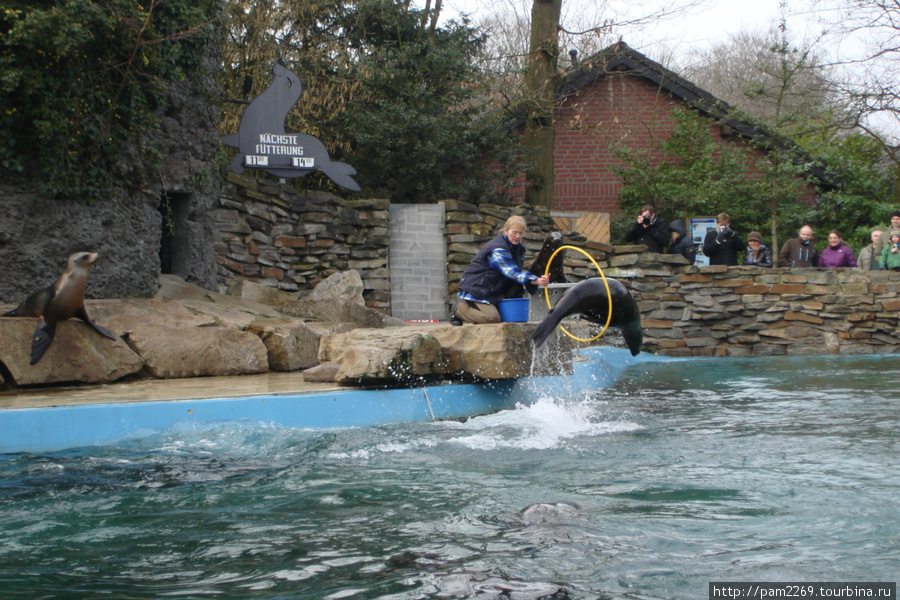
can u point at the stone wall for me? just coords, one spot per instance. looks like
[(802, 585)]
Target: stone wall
[(283, 238), (274, 234), (749, 311)]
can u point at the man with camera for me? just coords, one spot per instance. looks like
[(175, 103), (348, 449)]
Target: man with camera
[(723, 244), (649, 230)]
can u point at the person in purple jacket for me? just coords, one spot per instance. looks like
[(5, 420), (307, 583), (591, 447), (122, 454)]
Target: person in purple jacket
[(836, 254)]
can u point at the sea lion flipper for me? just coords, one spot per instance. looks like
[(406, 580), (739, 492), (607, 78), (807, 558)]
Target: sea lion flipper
[(102, 330), (82, 314), (41, 340)]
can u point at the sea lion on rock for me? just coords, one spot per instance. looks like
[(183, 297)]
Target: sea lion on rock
[(58, 302), (590, 299)]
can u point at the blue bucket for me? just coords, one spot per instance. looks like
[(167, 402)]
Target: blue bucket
[(514, 310)]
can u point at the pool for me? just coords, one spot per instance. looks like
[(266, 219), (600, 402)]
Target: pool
[(680, 473)]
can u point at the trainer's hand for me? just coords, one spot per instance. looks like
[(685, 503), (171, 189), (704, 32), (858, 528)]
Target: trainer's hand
[(543, 280)]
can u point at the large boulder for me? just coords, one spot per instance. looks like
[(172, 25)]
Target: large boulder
[(264, 294), (292, 344), (225, 310), (495, 351), (123, 316), (339, 311), (198, 351), (344, 285), (77, 354), (364, 355)]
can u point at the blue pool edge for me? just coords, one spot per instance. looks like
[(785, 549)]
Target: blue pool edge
[(51, 429)]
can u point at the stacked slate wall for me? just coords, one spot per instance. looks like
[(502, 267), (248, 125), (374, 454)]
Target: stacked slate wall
[(278, 236), (274, 234), (749, 311)]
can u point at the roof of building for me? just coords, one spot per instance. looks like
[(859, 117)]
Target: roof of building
[(621, 58)]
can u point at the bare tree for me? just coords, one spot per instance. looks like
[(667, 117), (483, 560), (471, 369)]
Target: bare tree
[(765, 76), (867, 35), (540, 101)]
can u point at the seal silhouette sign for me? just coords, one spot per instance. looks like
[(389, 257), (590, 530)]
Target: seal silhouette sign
[(263, 143)]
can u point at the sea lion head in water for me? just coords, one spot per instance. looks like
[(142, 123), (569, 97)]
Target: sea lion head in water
[(590, 299)]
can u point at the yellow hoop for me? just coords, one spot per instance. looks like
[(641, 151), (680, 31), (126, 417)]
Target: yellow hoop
[(605, 283)]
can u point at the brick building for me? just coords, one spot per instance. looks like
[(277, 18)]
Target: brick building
[(621, 96)]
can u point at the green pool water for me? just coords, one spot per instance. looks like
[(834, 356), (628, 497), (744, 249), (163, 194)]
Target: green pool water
[(683, 473)]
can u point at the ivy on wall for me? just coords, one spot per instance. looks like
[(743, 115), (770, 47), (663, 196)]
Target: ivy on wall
[(80, 80)]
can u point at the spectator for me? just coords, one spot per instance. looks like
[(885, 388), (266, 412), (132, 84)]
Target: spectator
[(723, 244), (494, 274), (887, 232), (799, 252), (649, 230), (836, 254), (869, 260), (890, 254), (758, 255), (680, 242)]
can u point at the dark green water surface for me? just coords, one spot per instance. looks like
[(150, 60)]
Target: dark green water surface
[(684, 472)]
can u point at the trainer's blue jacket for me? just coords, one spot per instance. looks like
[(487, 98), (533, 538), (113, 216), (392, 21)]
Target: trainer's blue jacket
[(496, 272)]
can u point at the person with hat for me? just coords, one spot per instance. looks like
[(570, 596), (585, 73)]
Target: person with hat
[(757, 255), (890, 255), (836, 254), (885, 238)]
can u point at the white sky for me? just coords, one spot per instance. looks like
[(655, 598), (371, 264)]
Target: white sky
[(708, 22)]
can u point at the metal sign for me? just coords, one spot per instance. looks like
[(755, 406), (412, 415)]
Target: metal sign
[(263, 143)]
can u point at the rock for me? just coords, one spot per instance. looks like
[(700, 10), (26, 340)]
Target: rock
[(382, 354), (340, 311), (322, 373), (291, 344), (832, 344), (250, 290), (123, 316), (225, 310), (77, 354), (344, 285), (496, 351), (199, 351)]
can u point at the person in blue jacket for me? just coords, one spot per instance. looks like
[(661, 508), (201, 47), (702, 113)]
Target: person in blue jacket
[(497, 272)]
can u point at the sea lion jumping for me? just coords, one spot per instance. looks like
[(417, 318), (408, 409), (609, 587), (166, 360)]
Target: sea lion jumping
[(58, 302), (590, 299)]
